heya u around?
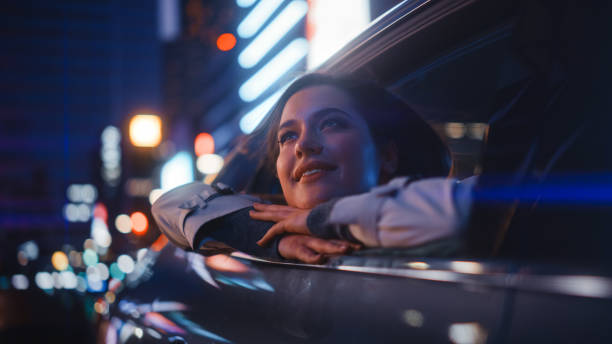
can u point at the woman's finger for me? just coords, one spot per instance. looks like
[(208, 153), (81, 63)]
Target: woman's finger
[(353, 245), (273, 207), (307, 255), (267, 216), (327, 246), (275, 230)]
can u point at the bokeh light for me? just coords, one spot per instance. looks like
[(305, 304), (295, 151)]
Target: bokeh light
[(125, 263), (59, 260), (209, 163), (103, 271), (123, 223), (226, 42), (20, 282), (154, 195), (140, 224), (116, 273), (204, 144), (90, 257), (69, 280), (44, 280), (145, 130)]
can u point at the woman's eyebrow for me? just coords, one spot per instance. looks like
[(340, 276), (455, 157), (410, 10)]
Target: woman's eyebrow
[(315, 116)]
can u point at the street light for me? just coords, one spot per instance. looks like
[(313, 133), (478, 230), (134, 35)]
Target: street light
[(145, 130)]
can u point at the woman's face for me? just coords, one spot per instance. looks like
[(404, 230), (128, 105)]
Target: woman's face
[(325, 148)]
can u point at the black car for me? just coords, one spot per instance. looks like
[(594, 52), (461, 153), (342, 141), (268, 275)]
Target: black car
[(520, 90)]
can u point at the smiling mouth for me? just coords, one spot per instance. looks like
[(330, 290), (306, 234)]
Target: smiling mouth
[(312, 175)]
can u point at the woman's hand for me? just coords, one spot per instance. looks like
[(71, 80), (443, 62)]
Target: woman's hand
[(288, 220), (311, 250)]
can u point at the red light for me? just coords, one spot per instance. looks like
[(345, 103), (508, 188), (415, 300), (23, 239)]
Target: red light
[(226, 42), (140, 224), (204, 144), (100, 212)]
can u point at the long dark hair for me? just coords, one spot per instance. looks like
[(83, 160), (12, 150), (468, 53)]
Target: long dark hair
[(421, 152)]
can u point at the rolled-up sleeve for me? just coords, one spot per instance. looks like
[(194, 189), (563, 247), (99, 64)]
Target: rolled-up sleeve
[(403, 213), (182, 211)]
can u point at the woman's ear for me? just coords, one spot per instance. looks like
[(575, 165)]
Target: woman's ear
[(389, 161)]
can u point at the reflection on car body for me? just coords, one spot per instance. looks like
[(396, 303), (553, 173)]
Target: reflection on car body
[(520, 287)]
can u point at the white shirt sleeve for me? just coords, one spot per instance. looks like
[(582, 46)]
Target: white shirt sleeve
[(398, 214)]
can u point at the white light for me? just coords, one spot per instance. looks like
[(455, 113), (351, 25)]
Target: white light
[(245, 3), (251, 120), (81, 284), (274, 69), (286, 20), (138, 332), (84, 212), (209, 163), (71, 212), (154, 195), (20, 282), (100, 233), (111, 136), (168, 15), (93, 275), (89, 194), (44, 280), (467, 333), (74, 193), (332, 24), (57, 280), (145, 130), (30, 249), (257, 17), (125, 263), (123, 223), (69, 280), (141, 253), (177, 171), (455, 130), (466, 267), (103, 272)]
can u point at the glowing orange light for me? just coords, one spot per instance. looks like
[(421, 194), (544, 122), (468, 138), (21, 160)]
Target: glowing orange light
[(159, 243), (204, 144), (145, 130), (226, 42), (59, 260), (140, 224)]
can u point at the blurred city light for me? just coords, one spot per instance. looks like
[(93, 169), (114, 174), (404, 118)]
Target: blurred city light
[(245, 3), (273, 33), (100, 233), (140, 223), (455, 130), (20, 282), (29, 249), (125, 263), (226, 42), (85, 193), (75, 259), (69, 280), (141, 253), (177, 171), (154, 195), (280, 64), (204, 144), (138, 187), (110, 154), (59, 260), (257, 17), (169, 27), (90, 257), (209, 163), (44, 280), (103, 271), (123, 223), (116, 273), (100, 212), (251, 120), (145, 130), (331, 24), (477, 130)]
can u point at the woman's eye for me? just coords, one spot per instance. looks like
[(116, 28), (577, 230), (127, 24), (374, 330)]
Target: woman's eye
[(287, 137), (331, 123)]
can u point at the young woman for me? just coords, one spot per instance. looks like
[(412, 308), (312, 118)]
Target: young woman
[(337, 146)]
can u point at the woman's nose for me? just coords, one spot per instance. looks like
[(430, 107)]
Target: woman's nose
[(308, 145)]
